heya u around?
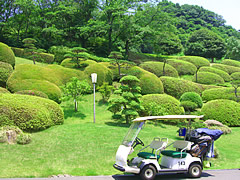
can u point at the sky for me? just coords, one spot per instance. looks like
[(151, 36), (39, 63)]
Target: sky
[(229, 9)]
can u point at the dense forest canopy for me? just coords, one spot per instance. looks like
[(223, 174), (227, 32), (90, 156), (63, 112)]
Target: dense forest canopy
[(102, 26)]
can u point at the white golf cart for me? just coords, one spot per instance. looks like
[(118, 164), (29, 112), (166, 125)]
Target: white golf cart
[(147, 164)]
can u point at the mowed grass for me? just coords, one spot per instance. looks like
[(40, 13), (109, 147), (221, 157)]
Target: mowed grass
[(20, 60)]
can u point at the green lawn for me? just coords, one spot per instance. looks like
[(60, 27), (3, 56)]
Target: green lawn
[(20, 60), (80, 147)]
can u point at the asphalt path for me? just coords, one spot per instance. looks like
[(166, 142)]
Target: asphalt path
[(233, 174)]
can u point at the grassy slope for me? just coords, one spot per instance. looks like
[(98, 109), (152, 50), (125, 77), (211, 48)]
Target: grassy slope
[(79, 147), (27, 61)]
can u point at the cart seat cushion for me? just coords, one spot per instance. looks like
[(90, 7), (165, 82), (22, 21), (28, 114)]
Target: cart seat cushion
[(147, 155), (174, 154)]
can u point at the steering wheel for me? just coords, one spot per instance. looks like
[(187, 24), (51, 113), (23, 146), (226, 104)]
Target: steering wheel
[(137, 141)]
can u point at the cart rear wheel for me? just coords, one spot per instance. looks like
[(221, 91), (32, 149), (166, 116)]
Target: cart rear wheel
[(195, 170), (148, 172)]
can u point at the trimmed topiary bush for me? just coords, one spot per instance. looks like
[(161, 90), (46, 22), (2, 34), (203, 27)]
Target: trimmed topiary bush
[(29, 113), (176, 87), (196, 60), (193, 97), (189, 106), (222, 110), (6, 54), (33, 93), (69, 63), (208, 78), (19, 52), (47, 58), (220, 93), (235, 76), (149, 82), (5, 71), (157, 68), (226, 68), (226, 77), (231, 62), (3, 90), (160, 104), (183, 67)]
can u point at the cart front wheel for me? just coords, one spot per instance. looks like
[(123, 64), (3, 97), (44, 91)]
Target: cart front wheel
[(195, 170), (148, 172)]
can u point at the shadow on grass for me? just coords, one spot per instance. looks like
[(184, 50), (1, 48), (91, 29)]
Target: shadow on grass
[(68, 113), (118, 124)]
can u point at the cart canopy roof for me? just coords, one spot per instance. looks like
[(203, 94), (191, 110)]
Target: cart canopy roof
[(167, 117)]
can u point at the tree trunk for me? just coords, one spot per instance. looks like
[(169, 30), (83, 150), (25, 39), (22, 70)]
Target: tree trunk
[(76, 105), (196, 75), (212, 60), (164, 64)]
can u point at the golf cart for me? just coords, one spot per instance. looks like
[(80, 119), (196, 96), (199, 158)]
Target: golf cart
[(188, 156)]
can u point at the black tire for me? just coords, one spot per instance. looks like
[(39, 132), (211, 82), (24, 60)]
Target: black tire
[(195, 170), (148, 172)]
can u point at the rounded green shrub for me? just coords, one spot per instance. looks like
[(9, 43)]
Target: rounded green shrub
[(193, 97), (33, 93), (29, 113), (220, 93), (3, 90), (226, 77), (157, 68), (235, 76), (47, 58), (222, 110), (183, 67), (196, 60), (189, 106), (24, 138), (231, 62), (208, 78), (19, 52), (5, 71), (69, 63), (104, 74), (176, 87), (149, 82), (161, 104), (226, 68), (6, 54)]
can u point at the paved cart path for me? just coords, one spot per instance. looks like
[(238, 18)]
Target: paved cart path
[(233, 174)]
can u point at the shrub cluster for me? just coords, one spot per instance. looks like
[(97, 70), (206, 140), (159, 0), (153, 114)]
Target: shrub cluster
[(23, 111), (235, 76), (222, 110), (33, 93), (196, 60), (157, 68), (176, 87), (6, 54), (193, 97), (69, 63), (226, 77), (208, 78), (104, 74), (231, 62), (46, 79), (5, 71), (19, 52), (220, 93), (47, 58), (149, 82), (160, 104), (226, 68), (183, 67)]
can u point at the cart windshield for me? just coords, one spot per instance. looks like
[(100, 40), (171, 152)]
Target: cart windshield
[(132, 133)]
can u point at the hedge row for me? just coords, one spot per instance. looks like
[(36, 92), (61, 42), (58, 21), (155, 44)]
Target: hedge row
[(196, 60), (24, 112), (6, 54), (231, 62), (226, 68), (235, 76), (222, 110), (183, 67), (208, 78), (33, 93), (157, 68), (220, 93), (149, 82), (226, 77), (5, 71), (160, 104)]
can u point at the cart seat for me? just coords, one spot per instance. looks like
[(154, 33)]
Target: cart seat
[(147, 155), (181, 147), (174, 154)]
